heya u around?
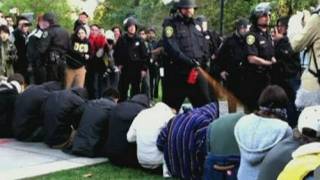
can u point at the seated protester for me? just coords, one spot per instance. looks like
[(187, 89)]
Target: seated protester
[(116, 147), (28, 120), (259, 132), (307, 132), (306, 159), (94, 124), (183, 140), (223, 159), (9, 91), (77, 57), (8, 52), (61, 115), (145, 130)]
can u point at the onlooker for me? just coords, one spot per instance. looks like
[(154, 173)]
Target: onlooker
[(20, 35), (117, 33), (112, 75), (223, 159), (82, 21), (286, 72), (36, 61), (9, 91), (116, 147), (154, 67), (145, 129), (28, 120), (93, 126), (8, 53), (10, 23), (183, 140), (145, 81), (96, 67), (259, 132), (308, 93), (62, 111), (306, 132), (54, 44), (77, 58)]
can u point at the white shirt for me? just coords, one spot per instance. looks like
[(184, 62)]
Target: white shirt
[(145, 129)]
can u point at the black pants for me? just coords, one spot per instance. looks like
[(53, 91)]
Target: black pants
[(175, 92), (254, 85), (154, 81), (129, 77), (127, 158), (56, 72), (39, 75)]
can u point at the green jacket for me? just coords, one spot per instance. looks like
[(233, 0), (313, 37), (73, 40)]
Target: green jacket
[(220, 135)]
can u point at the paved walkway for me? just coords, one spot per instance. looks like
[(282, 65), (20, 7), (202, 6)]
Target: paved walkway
[(22, 160)]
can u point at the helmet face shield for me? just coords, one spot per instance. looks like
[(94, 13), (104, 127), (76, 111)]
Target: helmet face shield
[(263, 13), (261, 10)]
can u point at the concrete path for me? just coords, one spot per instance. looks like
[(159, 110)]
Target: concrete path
[(23, 160)]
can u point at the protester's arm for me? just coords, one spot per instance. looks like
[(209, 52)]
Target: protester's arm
[(307, 36)]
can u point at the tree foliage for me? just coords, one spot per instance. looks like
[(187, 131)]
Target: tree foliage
[(152, 12), (59, 7)]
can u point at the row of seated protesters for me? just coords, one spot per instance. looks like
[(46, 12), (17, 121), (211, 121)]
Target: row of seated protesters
[(195, 144)]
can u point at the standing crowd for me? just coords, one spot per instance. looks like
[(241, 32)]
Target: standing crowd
[(92, 93)]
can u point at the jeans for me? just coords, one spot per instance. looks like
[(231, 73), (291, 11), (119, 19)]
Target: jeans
[(221, 167)]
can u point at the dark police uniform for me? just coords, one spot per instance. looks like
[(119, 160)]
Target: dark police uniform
[(257, 77), (131, 54), (184, 43), (54, 44), (231, 56)]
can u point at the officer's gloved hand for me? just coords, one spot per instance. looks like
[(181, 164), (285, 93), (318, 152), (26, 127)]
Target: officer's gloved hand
[(273, 60), (30, 69), (195, 63)]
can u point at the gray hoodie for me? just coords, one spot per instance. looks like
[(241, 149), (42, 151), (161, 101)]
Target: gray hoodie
[(255, 136)]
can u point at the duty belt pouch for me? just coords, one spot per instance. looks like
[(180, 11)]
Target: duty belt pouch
[(54, 57)]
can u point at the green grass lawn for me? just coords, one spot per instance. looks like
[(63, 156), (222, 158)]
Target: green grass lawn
[(103, 171)]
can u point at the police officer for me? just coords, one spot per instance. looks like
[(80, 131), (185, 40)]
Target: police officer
[(260, 56), (231, 56), (213, 41), (55, 43), (184, 43), (130, 54)]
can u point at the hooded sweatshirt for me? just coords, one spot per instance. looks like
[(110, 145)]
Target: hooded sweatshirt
[(256, 136), (78, 55), (145, 129), (119, 123)]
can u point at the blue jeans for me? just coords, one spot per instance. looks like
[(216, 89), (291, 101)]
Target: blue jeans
[(211, 170)]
